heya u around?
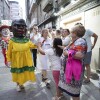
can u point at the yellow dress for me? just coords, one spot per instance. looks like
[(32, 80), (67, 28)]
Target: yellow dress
[(20, 56)]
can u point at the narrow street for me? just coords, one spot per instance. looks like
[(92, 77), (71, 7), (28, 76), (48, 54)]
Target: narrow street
[(38, 91)]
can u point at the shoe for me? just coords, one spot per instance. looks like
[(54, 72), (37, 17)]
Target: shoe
[(44, 79), (86, 82), (22, 87), (18, 88)]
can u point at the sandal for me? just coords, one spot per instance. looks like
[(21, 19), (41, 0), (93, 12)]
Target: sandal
[(86, 81), (22, 87), (44, 79), (48, 85)]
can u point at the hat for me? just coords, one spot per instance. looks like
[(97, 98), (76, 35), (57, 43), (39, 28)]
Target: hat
[(4, 26)]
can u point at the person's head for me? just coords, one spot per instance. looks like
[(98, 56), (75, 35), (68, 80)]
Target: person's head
[(56, 42), (66, 32), (18, 28), (45, 33), (35, 29), (5, 30), (58, 33), (77, 31)]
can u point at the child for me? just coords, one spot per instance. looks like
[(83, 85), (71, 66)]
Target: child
[(54, 54), (19, 55)]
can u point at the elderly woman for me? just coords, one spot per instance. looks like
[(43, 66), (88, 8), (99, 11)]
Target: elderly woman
[(73, 88), (45, 43)]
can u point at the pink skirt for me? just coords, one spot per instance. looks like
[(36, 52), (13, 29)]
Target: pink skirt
[(56, 75)]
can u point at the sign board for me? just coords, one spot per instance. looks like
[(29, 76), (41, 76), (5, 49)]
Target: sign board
[(5, 22)]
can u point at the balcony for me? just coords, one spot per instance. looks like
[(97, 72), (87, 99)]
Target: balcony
[(48, 6), (32, 6), (64, 2)]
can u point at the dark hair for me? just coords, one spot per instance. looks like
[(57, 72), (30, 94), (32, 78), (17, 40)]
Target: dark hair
[(44, 31), (79, 30), (58, 31), (56, 42), (79, 24), (67, 30)]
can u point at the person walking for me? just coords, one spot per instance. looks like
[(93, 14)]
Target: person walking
[(19, 55), (34, 37), (54, 55), (74, 86), (45, 43)]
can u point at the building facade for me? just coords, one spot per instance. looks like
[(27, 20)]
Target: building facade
[(15, 10), (65, 13), (4, 10), (88, 13), (41, 12)]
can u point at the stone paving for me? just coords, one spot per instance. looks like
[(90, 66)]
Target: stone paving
[(38, 91)]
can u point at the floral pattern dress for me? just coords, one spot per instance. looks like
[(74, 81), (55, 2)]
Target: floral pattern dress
[(73, 89)]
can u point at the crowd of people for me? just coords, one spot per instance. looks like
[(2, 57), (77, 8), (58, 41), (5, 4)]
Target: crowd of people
[(68, 51)]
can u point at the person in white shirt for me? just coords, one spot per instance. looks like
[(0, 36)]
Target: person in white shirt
[(66, 38), (90, 46), (34, 37), (87, 60), (46, 43), (54, 55)]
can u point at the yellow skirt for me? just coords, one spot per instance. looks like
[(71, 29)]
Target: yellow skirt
[(21, 78)]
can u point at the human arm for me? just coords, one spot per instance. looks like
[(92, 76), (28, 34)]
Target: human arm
[(62, 47), (9, 52), (78, 55), (32, 45), (66, 41), (80, 48), (40, 49), (31, 36), (95, 39)]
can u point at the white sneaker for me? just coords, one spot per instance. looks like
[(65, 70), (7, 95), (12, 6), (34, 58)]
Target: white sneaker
[(18, 88)]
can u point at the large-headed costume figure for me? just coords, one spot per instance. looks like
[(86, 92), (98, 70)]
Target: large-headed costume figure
[(4, 29), (19, 55)]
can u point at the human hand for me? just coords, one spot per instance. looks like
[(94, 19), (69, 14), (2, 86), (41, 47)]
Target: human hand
[(65, 53), (79, 55), (93, 46), (62, 47), (39, 44), (9, 64)]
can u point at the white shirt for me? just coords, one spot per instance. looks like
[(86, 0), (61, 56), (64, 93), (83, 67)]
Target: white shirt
[(36, 37), (46, 44), (54, 60), (66, 41), (87, 36)]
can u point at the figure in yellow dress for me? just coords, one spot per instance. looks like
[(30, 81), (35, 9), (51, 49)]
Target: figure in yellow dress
[(19, 55)]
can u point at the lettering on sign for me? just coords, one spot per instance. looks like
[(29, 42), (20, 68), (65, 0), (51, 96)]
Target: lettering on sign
[(96, 12)]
